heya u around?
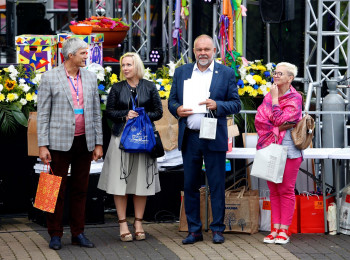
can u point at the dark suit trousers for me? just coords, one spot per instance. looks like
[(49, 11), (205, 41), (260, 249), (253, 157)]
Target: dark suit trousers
[(193, 152), (80, 159)]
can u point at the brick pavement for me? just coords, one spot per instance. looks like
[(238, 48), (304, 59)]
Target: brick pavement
[(22, 239)]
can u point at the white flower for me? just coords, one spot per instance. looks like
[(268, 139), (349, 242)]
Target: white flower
[(37, 79), (159, 81), (103, 98), (25, 88), (22, 81), (269, 66), (171, 66), (95, 68), (108, 90), (148, 74), (1, 87), (158, 86), (250, 79), (23, 101), (108, 69), (12, 69), (100, 76), (242, 71), (13, 75)]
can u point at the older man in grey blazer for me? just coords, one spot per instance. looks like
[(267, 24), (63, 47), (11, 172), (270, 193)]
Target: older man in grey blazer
[(70, 133)]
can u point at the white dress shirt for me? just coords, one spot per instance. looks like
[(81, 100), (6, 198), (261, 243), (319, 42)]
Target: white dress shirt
[(194, 121)]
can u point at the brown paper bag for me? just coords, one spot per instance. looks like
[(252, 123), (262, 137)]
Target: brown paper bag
[(32, 136), (183, 220), (242, 211), (168, 128)]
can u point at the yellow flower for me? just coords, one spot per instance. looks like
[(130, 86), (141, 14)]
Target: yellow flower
[(161, 93), (6, 70), (261, 67), (2, 97), (10, 84), (253, 67), (263, 82), (167, 95), (241, 91), (268, 89), (113, 78), (257, 78), (165, 82), (254, 93), (11, 97), (167, 87), (260, 91), (29, 97), (245, 82)]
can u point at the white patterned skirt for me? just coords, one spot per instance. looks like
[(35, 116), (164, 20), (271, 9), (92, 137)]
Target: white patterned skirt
[(128, 173)]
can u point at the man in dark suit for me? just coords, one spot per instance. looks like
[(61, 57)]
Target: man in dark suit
[(219, 81)]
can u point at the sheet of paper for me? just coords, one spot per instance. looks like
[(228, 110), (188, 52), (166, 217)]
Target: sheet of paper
[(194, 92)]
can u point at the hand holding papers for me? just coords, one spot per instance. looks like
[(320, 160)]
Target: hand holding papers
[(194, 93)]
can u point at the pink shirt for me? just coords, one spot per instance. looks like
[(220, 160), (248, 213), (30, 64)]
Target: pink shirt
[(79, 118)]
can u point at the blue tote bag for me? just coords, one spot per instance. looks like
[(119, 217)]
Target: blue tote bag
[(138, 135)]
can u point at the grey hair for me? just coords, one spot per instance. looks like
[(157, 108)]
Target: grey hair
[(71, 46), (291, 68), (204, 36)]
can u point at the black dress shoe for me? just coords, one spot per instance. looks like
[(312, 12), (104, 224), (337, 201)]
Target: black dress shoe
[(218, 238), (55, 243), (82, 240), (192, 238)]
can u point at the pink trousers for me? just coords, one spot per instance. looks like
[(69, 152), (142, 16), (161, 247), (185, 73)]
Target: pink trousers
[(282, 195)]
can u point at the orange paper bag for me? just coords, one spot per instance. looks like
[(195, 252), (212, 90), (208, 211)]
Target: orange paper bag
[(47, 192), (311, 213)]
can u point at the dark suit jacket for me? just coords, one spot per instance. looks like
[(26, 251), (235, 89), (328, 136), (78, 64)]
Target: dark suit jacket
[(223, 90)]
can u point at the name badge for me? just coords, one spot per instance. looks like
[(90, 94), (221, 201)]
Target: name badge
[(79, 111)]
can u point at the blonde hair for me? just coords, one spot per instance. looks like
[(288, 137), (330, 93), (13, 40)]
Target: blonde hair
[(138, 64), (291, 68)]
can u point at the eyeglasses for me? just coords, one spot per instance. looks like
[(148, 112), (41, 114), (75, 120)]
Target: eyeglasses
[(277, 73)]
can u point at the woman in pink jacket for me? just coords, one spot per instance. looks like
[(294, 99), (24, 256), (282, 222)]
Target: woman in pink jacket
[(276, 116)]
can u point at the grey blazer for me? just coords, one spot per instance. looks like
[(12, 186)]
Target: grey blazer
[(56, 119)]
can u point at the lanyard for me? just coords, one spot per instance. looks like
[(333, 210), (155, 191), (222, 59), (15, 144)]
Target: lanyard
[(77, 88)]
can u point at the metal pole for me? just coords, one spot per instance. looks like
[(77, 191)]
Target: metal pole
[(268, 41), (215, 25), (130, 22), (336, 39), (164, 31), (170, 23), (348, 55), (148, 29), (142, 25), (190, 24), (306, 45), (319, 69)]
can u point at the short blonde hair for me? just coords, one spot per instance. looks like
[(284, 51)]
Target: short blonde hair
[(139, 67), (291, 68)]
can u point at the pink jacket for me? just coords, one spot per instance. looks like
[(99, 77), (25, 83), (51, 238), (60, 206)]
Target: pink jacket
[(269, 118)]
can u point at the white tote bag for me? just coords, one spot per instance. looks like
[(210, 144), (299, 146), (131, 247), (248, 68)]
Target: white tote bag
[(269, 163)]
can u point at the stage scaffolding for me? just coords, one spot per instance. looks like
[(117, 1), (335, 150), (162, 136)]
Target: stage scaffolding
[(320, 63)]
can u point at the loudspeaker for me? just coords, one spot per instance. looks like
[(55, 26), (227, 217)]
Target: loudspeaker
[(276, 11)]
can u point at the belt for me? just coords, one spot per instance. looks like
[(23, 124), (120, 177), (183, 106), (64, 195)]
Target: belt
[(192, 130)]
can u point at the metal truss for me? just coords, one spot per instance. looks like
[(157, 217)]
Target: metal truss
[(323, 63), (138, 14), (186, 44)]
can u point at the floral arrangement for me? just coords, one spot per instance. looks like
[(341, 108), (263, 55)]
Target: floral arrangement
[(105, 80), (102, 22), (163, 78), (18, 95), (254, 78)]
